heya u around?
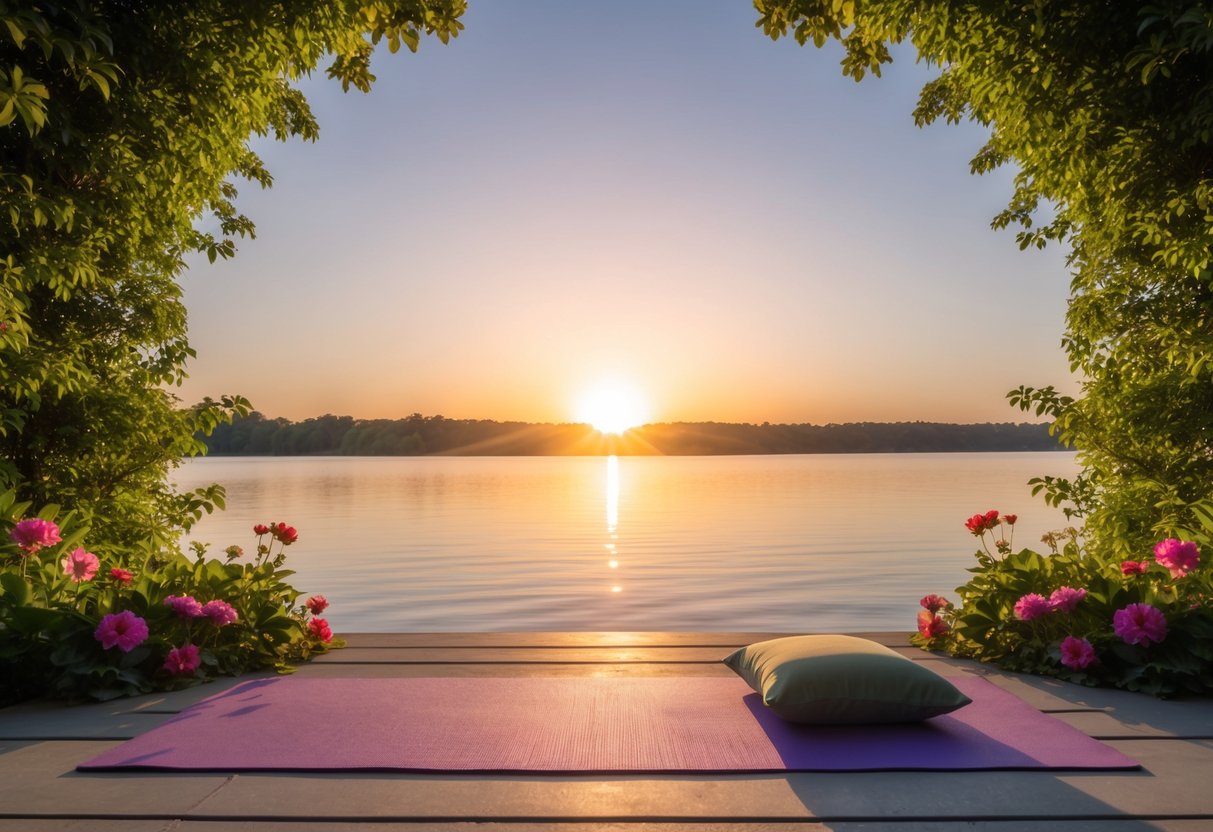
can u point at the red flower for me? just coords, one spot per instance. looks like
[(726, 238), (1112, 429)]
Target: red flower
[(261, 529), (317, 604), (320, 630), (931, 625), (1134, 567), (284, 533), (934, 603), (979, 524), (1010, 519), (121, 576)]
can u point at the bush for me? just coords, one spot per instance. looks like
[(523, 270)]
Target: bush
[(74, 624), (1143, 625)]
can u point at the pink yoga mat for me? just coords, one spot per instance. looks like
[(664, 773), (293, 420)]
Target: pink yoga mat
[(684, 724)]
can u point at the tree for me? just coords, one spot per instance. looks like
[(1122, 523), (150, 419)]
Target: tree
[(122, 128), (1106, 110)]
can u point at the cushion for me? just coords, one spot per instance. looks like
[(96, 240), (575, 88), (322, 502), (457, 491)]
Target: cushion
[(842, 680)]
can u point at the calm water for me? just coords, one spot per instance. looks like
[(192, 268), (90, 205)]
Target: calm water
[(786, 543)]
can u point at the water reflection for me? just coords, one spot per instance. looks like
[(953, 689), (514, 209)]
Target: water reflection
[(612, 514), (612, 496)]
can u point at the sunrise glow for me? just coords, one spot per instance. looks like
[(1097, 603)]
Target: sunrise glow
[(612, 407)]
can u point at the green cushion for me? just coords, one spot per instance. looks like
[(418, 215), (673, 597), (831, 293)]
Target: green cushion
[(842, 680)]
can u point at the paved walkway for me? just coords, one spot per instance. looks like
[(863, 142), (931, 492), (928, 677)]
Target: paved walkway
[(40, 745)]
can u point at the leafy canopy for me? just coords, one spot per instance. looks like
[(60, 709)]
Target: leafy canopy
[(1106, 111), (123, 127)]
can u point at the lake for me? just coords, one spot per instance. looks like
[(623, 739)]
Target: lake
[(807, 543)]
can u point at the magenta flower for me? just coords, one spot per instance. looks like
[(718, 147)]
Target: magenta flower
[(934, 603), (186, 606), (1032, 606), (33, 534), (220, 612), (1077, 653), (1134, 567), (1065, 599), (931, 625), (80, 565), (317, 604), (123, 630), (319, 629), (1179, 556), (121, 576), (181, 661), (1140, 624)]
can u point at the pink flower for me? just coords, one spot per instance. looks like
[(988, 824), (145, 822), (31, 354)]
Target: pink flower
[(317, 604), (186, 606), (121, 576), (1065, 599), (80, 565), (33, 534), (1134, 567), (319, 629), (261, 529), (1077, 653), (1140, 624), (1032, 606), (220, 612), (931, 625), (1179, 556), (181, 661), (125, 630)]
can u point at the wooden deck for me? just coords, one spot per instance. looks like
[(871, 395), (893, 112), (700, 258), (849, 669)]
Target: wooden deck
[(41, 743)]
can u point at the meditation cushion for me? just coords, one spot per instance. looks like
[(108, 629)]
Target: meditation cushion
[(842, 680)]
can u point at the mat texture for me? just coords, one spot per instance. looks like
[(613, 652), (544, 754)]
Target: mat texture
[(684, 724)]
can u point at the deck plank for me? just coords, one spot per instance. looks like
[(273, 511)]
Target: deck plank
[(92, 825), (40, 780)]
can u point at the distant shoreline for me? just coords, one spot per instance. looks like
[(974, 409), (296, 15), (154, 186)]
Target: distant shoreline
[(417, 435)]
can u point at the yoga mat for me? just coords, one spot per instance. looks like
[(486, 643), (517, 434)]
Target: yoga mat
[(683, 724)]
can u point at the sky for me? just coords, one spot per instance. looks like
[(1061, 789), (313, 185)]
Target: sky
[(652, 196)]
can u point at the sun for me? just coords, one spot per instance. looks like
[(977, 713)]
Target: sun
[(612, 407)]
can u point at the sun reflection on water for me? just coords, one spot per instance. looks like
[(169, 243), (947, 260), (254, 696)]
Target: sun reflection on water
[(612, 515)]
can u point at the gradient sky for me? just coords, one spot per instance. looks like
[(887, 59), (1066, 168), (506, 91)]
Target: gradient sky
[(648, 192)]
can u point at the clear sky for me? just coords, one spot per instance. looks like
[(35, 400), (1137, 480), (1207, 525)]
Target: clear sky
[(650, 193)]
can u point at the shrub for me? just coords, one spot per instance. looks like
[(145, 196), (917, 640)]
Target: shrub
[(77, 624), (1142, 624)]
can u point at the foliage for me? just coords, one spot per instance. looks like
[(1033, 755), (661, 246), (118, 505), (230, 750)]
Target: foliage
[(52, 622), (122, 127), (1106, 111), (1070, 613), (345, 436)]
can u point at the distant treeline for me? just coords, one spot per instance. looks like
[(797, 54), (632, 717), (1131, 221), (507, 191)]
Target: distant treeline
[(255, 435)]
